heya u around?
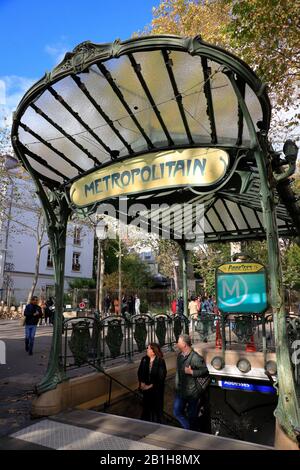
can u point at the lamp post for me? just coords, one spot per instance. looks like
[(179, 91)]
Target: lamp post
[(101, 233), (119, 255), (175, 273)]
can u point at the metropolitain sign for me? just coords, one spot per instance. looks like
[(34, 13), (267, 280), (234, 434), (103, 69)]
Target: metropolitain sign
[(200, 167)]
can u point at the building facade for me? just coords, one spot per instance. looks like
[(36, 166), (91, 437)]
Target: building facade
[(21, 230)]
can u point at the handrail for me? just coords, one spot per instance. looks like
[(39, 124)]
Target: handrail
[(139, 397), (136, 394)]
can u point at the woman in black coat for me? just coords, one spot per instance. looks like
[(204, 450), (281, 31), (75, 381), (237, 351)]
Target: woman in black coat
[(151, 374)]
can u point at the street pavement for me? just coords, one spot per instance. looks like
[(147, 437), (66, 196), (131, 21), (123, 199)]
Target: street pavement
[(20, 374)]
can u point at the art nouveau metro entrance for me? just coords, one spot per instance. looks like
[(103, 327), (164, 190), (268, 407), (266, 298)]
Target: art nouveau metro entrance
[(128, 126)]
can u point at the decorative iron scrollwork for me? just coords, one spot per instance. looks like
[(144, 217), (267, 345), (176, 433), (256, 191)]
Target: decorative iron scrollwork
[(205, 326), (114, 337), (95, 335), (80, 342), (161, 330), (244, 328), (140, 334)]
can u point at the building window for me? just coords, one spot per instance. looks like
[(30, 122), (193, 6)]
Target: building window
[(77, 235), (76, 262), (49, 259)]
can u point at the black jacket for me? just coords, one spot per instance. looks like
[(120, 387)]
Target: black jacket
[(185, 384), (31, 319), (156, 376)]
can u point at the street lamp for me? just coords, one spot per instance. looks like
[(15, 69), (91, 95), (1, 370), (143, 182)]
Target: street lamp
[(175, 272), (101, 234)]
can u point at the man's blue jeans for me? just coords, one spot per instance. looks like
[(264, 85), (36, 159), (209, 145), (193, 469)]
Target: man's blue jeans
[(186, 419), (29, 335)]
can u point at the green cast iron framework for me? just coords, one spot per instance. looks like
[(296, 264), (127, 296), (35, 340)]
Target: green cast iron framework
[(255, 177)]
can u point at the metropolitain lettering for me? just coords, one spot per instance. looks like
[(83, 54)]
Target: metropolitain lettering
[(124, 179)]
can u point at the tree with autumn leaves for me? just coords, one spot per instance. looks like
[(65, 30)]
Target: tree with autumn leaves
[(265, 34)]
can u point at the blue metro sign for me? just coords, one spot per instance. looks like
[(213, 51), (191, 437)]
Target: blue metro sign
[(241, 288)]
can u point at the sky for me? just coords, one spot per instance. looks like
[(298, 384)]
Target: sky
[(35, 35)]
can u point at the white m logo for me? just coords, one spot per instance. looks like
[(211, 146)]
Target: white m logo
[(235, 287), (238, 290)]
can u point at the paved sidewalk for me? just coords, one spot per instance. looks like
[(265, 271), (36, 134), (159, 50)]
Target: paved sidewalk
[(90, 430), (20, 374)]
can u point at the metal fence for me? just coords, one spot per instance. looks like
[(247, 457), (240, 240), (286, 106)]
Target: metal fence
[(89, 340), (235, 329)]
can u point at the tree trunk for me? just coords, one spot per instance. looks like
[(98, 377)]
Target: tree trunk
[(120, 274), (75, 300), (175, 275), (98, 304), (290, 302), (36, 271)]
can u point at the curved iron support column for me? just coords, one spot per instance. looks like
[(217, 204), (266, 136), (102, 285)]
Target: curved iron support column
[(56, 211), (288, 410), (57, 231)]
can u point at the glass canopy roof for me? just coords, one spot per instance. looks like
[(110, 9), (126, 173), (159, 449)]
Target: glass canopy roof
[(110, 102)]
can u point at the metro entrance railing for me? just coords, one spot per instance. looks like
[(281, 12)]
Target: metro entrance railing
[(97, 342)]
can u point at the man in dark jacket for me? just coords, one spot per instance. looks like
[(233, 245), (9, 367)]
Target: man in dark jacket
[(32, 313), (180, 306), (107, 304), (190, 365), (49, 310)]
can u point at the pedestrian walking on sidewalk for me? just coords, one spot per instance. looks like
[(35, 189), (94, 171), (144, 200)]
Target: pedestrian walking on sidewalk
[(32, 314)]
